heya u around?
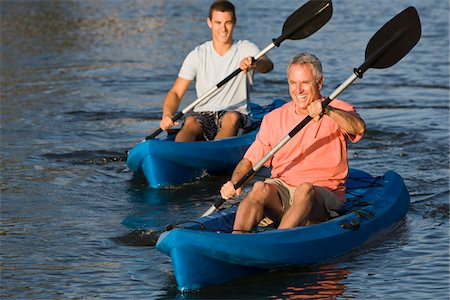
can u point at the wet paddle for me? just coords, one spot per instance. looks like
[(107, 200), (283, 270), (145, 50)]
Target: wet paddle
[(388, 46), (302, 23)]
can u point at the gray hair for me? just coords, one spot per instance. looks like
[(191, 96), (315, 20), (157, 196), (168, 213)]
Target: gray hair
[(308, 58)]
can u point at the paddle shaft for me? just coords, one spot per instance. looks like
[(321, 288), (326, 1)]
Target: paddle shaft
[(275, 43)]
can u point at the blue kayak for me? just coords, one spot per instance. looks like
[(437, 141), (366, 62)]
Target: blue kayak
[(205, 253), (165, 162)]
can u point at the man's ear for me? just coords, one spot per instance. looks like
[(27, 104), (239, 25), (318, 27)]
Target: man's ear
[(208, 21), (321, 82)]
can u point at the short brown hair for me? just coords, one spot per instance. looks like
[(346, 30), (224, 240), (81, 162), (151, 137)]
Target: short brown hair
[(222, 5)]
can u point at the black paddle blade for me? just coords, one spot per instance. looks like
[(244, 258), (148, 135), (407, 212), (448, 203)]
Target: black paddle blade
[(138, 237), (393, 41), (306, 20), (408, 29)]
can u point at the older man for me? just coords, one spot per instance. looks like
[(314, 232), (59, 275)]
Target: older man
[(309, 173)]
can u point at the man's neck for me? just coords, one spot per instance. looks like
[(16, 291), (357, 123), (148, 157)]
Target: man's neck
[(222, 48)]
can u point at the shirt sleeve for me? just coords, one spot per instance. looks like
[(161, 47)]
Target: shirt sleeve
[(249, 49), (351, 109), (261, 145), (188, 69)]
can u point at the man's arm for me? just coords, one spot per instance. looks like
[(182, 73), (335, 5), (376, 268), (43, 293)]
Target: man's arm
[(262, 65), (227, 191), (172, 102), (347, 121)]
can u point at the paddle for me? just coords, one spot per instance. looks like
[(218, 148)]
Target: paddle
[(302, 23), (388, 46)]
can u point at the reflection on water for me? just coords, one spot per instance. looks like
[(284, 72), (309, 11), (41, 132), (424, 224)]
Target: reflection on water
[(326, 281), (327, 284)]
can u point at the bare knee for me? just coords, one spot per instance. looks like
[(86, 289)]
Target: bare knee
[(307, 195), (191, 122), (304, 191), (191, 131), (231, 119), (260, 192)]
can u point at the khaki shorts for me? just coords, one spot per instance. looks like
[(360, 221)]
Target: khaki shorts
[(286, 192)]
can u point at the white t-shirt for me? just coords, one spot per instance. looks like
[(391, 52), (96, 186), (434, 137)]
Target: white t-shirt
[(209, 68)]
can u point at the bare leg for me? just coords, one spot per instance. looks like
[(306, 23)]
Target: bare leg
[(307, 208), (262, 198), (190, 132), (230, 125)]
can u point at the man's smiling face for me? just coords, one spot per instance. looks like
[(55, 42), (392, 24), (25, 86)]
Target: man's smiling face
[(303, 86), (222, 25)]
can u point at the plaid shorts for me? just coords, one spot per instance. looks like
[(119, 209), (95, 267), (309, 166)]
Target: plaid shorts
[(211, 122)]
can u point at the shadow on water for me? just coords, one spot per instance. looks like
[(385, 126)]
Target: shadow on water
[(110, 115), (87, 157)]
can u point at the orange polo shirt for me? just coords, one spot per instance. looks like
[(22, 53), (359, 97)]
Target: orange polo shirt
[(316, 154)]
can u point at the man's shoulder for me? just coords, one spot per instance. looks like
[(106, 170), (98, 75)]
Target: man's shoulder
[(206, 46), (244, 43), (280, 110)]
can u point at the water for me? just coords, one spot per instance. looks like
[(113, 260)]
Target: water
[(83, 81)]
